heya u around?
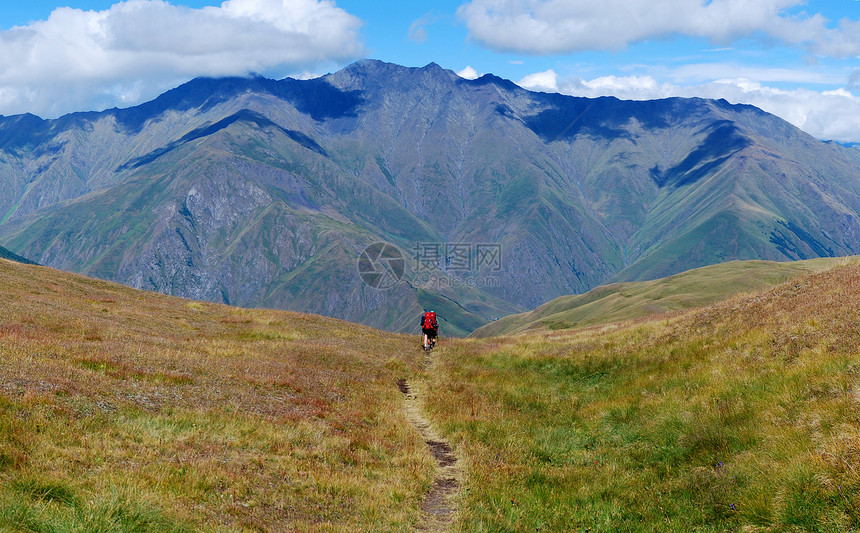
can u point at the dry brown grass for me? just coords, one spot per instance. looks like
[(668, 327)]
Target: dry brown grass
[(207, 417)]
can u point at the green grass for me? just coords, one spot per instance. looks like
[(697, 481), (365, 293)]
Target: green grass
[(38, 507), (624, 301), (741, 416)]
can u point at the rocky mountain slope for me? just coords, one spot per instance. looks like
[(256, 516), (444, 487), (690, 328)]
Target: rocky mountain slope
[(258, 192)]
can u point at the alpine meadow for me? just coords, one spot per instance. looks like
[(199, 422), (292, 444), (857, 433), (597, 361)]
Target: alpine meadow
[(131, 411), (647, 312)]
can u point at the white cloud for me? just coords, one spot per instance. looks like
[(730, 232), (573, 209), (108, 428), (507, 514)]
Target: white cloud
[(468, 73), (546, 81), (80, 59), (833, 114), (824, 114), (562, 26)]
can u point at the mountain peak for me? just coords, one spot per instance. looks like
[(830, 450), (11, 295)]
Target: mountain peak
[(372, 74), (492, 79)]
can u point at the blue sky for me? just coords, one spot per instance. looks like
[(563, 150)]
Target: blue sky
[(796, 59)]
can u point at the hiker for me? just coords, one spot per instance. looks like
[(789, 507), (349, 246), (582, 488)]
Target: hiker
[(430, 328)]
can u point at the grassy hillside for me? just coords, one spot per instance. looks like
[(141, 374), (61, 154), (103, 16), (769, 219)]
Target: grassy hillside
[(624, 301), (122, 410), (740, 416), (129, 411)]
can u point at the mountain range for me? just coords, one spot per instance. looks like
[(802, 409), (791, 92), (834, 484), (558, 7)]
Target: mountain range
[(474, 197)]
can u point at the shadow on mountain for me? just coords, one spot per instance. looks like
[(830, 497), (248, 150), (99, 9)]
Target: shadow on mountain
[(788, 244), (604, 117), (316, 97), (11, 256), (245, 115), (723, 142)]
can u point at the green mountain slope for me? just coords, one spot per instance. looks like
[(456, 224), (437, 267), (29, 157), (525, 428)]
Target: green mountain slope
[(630, 300), (249, 226)]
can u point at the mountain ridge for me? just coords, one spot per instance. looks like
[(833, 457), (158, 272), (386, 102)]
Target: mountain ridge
[(241, 190)]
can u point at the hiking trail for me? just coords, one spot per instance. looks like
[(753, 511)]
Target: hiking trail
[(440, 503)]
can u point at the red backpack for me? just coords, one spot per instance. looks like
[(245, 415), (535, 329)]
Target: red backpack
[(430, 320)]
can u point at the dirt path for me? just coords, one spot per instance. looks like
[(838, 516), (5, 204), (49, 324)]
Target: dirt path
[(440, 504)]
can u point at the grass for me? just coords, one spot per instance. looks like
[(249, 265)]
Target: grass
[(129, 411), (625, 301), (740, 416)]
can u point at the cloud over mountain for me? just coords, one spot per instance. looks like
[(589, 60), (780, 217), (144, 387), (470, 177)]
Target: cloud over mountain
[(137, 48), (824, 114)]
